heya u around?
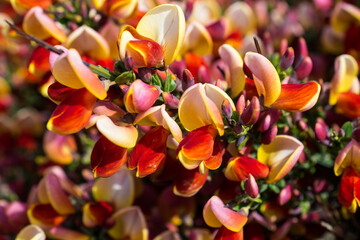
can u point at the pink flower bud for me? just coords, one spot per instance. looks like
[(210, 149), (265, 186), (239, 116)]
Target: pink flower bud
[(320, 130), (178, 67), (301, 50), (219, 29), (240, 104), (171, 101), (145, 74), (129, 63), (252, 112), (301, 124), (204, 74), (304, 68), (287, 59), (267, 119), (251, 187), (268, 136), (285, 195), (283, 46), (226, 109), (187, 79)]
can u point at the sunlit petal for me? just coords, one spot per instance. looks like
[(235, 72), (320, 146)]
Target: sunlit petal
[(343, 15), (31, 232), (349, 104), (58, 148), (241, 17), (349, 189), (239, 168), (96, 213), (64, 233), (348, 157), (197, 39)]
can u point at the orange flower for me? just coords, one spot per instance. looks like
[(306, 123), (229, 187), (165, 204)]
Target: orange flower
[(239, 168), (349, 190)]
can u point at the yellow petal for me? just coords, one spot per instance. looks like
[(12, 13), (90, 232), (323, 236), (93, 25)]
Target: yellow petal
[(233, 59), (241, 17), (280, 156), (344, 15), (88, 42), (205, 12), (165, 25), (346, 70), (31, 232), (110, 31), (348, 157), (266, 79), (38, 24), (123, 135), (197, 39), (188, 163)]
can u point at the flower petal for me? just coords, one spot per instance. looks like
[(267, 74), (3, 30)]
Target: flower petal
[(88, 42), (58, 148), (197, 39), (188, 182), (165, 24), (343, 15), (225, 234), (233, 59), (31, 232), (239, 168), (123, 135), (71, 115), (349, 189), (241, 17), (349, 104), (95, 213), (64, 233), (216, 214), (107, 158), (297, 97), (348, 157), (44, 216), (38, 24), (266, 79), (280, 155)]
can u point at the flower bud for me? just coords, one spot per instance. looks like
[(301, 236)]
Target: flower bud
[(268, 136), (171, 101), (251, 187), (267, 119), (320, 130), (178, 67), (283, 46), (219, 29), (204, 75), (301, 124), (285, 195), (187, 79), (252, 112), (301, 50), (226, 109), (145, 74), (287, 59), (356, 134), (240, 104), (247, 71), (304, 68), (129, 63)]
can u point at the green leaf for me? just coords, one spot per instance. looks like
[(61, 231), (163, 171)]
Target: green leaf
[(156, 80), (167, 83), (172, 85), (263, 187), (347, 127), (274, 188), (125, 77)]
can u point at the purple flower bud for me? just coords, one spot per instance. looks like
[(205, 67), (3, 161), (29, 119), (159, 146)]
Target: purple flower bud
[(301, 124), (304, 68), (252, 112), (240, 104), (284, 195), (287, 59), (129, 63), (283, 46), (319, 185), (178, 67), (238, 127), (356, 134), (145, 74), (171, 101), (265, 123), (268, 136), (321, 131), (204, 75), (219, 29), (226, 109), (301, 51), (247, 71), (187, 79), (251, 187)]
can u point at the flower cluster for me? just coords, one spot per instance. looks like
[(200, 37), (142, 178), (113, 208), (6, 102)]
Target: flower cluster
[(200, 119)]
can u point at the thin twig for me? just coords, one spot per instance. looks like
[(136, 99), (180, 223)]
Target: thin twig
[(257, 45), (36, 40)]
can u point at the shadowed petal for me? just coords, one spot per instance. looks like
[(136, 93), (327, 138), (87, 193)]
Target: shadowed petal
[(64, 233), (107, 158), (216, 214), (96, 213), (58, 92), (297, 97), (349, 189), (214, 162), (348, 157), (266, 79), (58, 148), (145, 53), (343, 15), (280, 155), (44, 216), (165, 24), (349, 104), (188, 182), (71, 115)]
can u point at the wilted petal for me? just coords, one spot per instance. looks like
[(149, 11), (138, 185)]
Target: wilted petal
[(241, 17), (107, 158), (349, 105), (346, 70), (349, 190), (59, 148), (348, 157), (239, 168), (44, 216), (88, 42), (123, 135), (71, 115), (38, 24), (31, 232), (118, 189), (197, 39), (266, 79), (129, 223), (157, 116), (165, 24), (149, 153), (297, 97), (57, 196), (233, 59), (140, 96), (216, 214), (225, 234), (188, 182), (70, 71), (343, 15), (96, 213), (64, 233), (280, 155)]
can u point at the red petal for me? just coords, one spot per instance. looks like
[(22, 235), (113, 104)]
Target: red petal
[(349, 190), (44, 214), (145, 53), (73, 113), (193, 63), (349, 104), (58, 92), (297, 97), (150, 152), (107, 158), (198, 144), (39, 60), (225, 234), (215, 160), (188, 182), (245, 165), (100, 211)]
